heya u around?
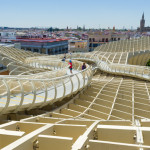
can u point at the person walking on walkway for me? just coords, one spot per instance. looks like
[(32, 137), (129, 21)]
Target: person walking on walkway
[(83, 66), (70, 55), (70, 66), (65, 55), (64, 59)]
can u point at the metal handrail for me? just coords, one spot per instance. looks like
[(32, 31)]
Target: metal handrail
[(56, 81), (119, 68), (31, 84)]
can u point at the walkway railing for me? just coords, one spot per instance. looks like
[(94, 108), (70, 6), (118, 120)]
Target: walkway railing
[(22, 93), (141, 72)]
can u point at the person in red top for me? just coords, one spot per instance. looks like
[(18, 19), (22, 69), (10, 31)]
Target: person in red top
[(70, 66)]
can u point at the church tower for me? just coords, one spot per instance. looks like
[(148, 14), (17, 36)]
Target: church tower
[(142, 23)]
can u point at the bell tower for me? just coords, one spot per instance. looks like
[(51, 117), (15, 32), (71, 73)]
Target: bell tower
[(142, 23)]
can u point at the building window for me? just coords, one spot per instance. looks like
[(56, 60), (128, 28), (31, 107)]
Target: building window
[(106, 39), (29, 49), (95, 45), (36, 50), (103, 39), (93, 39), (50, 51)]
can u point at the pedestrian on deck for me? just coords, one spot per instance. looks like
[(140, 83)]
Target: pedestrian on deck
[(83, 66), (64, 59), (65, 55), (70, 66), (70, 55)]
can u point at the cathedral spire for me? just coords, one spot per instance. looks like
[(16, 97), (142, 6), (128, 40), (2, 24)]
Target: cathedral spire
[(143, 16), (142, 23)]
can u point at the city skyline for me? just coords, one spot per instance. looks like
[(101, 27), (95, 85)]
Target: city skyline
[(92, 14)]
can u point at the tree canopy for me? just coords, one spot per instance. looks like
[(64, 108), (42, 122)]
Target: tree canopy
[(148, 63)]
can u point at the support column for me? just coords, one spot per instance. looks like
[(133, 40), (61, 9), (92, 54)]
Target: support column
[(32, 49), (61, 48), (39, 50), (66, 47), (46, 50), (53, 51)]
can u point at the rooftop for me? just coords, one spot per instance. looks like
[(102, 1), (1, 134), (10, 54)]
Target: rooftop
[(40, 40)]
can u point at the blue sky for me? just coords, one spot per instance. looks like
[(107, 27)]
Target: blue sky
[(63, 13)]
